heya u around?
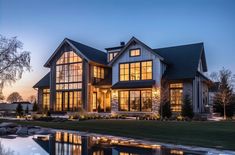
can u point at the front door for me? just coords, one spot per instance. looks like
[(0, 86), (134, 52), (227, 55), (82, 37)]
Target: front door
[(68, 101), (105, 100)]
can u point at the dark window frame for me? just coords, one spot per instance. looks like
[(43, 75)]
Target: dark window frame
[(129, 101), (129, 62), (113, 53), (130, 50), (176, 88)]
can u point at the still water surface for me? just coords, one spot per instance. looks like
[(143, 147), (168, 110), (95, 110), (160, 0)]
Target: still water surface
[(75, 143)]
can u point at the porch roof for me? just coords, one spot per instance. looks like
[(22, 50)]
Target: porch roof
[(133, 84), (44, 82)]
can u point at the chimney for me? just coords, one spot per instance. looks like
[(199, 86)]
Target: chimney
[(122, 43)]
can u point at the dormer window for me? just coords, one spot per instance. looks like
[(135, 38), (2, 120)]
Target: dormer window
[(134, 52), (112, 55)]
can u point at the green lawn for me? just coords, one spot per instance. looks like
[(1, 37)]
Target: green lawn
[(207, 134)]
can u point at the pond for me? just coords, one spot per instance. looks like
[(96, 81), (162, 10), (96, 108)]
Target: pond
[(78, 143)]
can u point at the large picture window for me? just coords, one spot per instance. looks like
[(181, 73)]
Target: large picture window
[(68, 101), (176, 96), (69, 73), (68, 82), (135, 71), (135, 100)]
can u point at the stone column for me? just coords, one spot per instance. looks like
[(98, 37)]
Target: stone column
[(114, 101)]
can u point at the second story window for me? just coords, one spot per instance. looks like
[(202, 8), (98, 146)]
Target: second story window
[(135, 71), (98, 72), (134, 52), (124, 72), (146, 73), (69, 71)]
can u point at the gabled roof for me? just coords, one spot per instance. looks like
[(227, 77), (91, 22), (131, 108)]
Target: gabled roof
[(133, 39), (44, 82), (87, 52), (183, 60), (91, 53)]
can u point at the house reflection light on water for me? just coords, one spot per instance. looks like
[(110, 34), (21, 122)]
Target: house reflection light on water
[(77, 144)]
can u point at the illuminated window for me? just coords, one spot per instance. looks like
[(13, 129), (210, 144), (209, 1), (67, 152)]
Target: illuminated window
[(135, 52), (176, 85), (98, 72), (69, 71), (69, 57), (68, 101), (112, 55), (77, 100), (58, 106), (135, 100), (146, 100), (176, 96), (135, 71), (68, 82), (94, 101), (124, 72), (138, 71), (146, 73), (58, 136), (123, 100), (46, 99)]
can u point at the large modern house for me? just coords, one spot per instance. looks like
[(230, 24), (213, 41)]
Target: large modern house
[(131, 78)]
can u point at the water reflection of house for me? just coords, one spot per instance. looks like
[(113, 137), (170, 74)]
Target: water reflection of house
[(74, 144)]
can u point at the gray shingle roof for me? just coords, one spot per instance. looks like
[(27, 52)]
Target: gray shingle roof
[(44, 82), (90, 52), (182, 60), (133, 84)]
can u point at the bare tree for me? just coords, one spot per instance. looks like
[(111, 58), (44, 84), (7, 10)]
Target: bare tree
[(224, 96), (13, 61), (32, 98), (14, 97)]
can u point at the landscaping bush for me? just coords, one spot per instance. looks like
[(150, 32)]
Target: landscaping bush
[(165, 109), (187, 108)]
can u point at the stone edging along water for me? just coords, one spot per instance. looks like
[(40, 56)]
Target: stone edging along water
[(153, 143)]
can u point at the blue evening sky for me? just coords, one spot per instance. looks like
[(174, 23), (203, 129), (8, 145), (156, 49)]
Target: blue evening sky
[(42, 24)]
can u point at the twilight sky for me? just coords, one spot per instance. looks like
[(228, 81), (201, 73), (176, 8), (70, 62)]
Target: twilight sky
[(41, 25)]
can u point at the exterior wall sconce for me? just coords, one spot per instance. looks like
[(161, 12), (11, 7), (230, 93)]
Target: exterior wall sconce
[(114, 94)]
